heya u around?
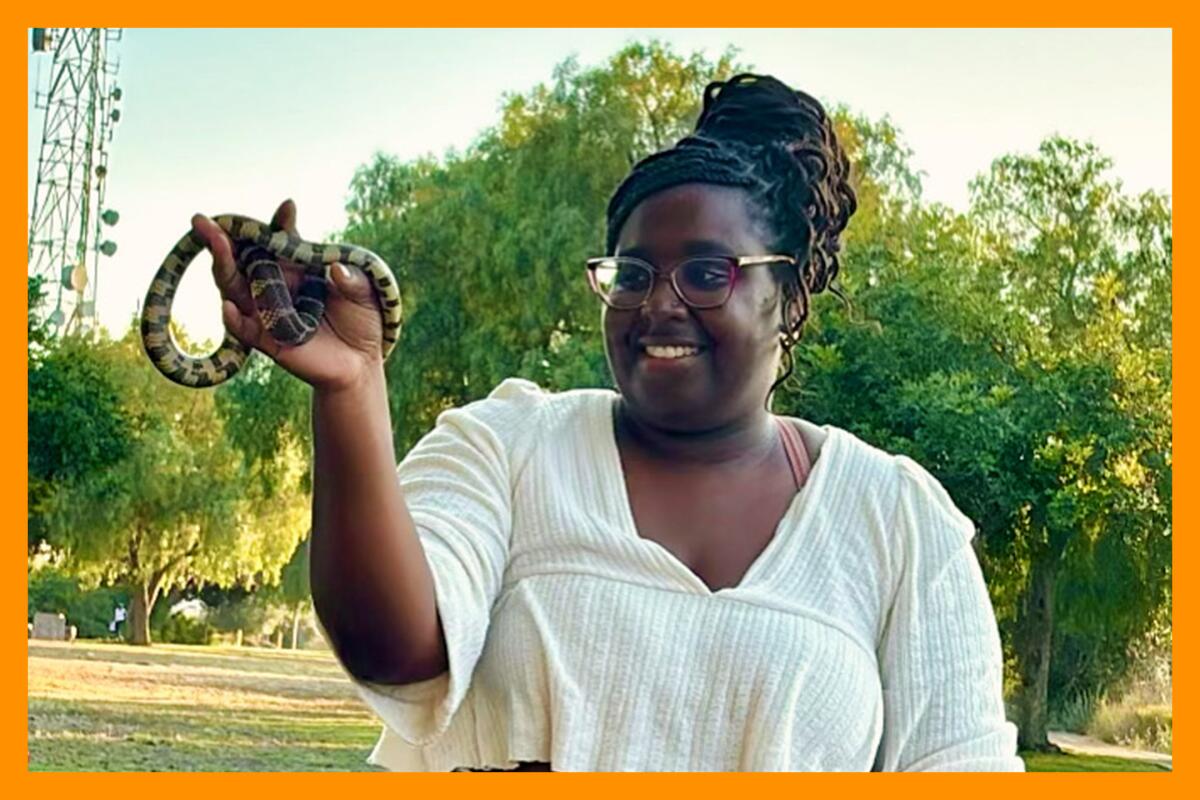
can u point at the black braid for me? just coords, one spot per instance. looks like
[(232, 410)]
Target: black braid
[(757, 133)]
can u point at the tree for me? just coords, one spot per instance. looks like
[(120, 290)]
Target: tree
[(294, 587), (1012, 351), (77, 424), (1090, 270), (489, 245), (38, 331), (180, 504)]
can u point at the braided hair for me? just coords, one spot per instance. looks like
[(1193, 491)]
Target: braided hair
[(756, 133)]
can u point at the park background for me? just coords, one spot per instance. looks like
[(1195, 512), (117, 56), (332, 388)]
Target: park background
[(1010, 329)]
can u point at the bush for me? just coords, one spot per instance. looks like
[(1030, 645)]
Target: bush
[(1075, 713), (181, 629), (1141, 727), (89, 610), (248, 614), (51, 591)]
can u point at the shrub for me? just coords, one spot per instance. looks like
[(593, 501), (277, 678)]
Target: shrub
[(1075, 713), (248, 614), (51, 591), (1141, 727), (89, 610), (182, 629)]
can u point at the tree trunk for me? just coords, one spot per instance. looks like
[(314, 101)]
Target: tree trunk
[(296, 624), (1032, 639), (139, 615), (144, 596)]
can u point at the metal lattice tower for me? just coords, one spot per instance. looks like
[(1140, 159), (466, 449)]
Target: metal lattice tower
[(65, 237)]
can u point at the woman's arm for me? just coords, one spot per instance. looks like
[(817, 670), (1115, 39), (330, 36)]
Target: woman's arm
[(371, 584), (372, 587), (939, 657), (408, 583)]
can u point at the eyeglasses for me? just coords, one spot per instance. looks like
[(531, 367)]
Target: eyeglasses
[(625, 283)]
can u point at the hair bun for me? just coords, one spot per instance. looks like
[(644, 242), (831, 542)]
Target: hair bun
[(757, 110)]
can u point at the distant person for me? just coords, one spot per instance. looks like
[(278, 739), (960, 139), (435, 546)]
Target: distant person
[(669, 576), (117, 620)]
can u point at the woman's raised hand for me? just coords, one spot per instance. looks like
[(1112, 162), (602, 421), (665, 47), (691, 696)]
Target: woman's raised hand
[(348, 343)]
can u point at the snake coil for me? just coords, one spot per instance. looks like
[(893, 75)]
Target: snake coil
[(257, 250)]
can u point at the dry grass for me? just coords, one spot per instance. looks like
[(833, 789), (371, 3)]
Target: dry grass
[(171, 707), (1141, 727)]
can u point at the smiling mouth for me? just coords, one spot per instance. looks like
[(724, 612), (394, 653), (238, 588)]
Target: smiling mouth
[(670, 352)]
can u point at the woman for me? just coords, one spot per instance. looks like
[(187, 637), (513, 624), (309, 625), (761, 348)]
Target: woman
[(667, 577)]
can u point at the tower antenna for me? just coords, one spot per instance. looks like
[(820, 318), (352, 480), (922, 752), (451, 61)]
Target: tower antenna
[(81, 105)]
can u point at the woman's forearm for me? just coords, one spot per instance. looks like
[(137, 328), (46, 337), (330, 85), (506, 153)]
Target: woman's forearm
[(371, 585)]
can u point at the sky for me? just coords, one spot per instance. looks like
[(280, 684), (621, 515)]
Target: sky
[(235, 121)]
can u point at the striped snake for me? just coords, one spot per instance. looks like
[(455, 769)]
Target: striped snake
[(256, 248)]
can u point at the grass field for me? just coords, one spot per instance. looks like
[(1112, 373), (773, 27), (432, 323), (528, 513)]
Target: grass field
[(110, 707), (104, 707), (1051, 762)]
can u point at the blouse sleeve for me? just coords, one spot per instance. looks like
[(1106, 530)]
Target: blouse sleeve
[(940, 659), (457, 484)]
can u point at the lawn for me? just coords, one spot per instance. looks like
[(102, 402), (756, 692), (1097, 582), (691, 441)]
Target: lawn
[(111, 707), (1062, 762)]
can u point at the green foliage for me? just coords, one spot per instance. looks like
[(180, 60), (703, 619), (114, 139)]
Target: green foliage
[(292, 591), (1089, 269), (160, 613), (1069, 762), (1075, 712), (78, 426), (488, 246), (181, 629), (177, 502), (294, 579), (51, 591), (38, 332), (89, 610), (1021, 351), (264, 413), (92, 611), (1018, 353), (263, 617), (247, 612)]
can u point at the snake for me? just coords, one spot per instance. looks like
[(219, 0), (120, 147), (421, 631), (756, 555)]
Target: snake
[(257, 250)]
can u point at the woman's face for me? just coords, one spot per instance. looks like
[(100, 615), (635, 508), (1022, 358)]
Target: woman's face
[(728, 379)]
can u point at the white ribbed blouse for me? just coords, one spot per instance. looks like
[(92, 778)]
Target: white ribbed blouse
[(862, 636)]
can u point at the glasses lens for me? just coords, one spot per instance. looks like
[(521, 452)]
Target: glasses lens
[(623, 283), (705, 281)]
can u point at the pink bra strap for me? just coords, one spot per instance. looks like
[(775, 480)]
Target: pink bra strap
[(797, 453)]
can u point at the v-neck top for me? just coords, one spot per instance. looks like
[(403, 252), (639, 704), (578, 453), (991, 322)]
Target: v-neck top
[(860, 638)]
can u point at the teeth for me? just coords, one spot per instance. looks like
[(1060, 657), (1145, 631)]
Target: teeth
[(670, 352)]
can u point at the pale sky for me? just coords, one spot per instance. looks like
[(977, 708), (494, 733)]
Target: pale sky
[(237, 120)]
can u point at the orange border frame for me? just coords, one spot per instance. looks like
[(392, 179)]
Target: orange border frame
[(480, 13)]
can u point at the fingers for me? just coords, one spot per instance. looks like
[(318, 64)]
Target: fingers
[(285, 217), (236, 323), (353, 284), (230, 283), (247, 329)]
